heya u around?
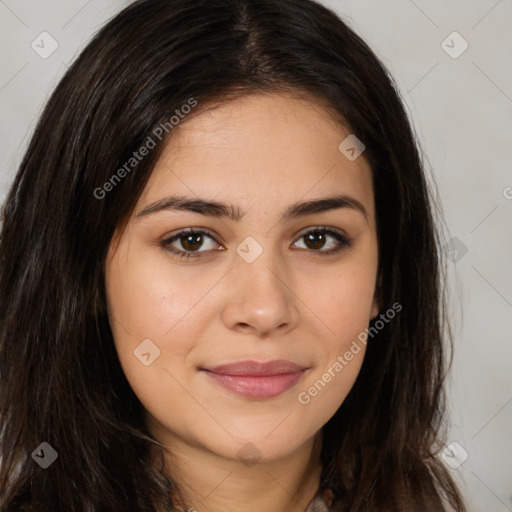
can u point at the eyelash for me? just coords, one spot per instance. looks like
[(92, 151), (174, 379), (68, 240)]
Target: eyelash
[(166, 244)]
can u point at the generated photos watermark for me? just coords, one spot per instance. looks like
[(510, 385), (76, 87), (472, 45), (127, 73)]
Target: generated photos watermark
[(304, 397), (158, 133)]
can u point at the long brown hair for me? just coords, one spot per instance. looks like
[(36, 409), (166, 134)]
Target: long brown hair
[(60, 378)]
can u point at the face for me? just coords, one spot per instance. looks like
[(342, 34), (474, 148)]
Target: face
[(278, 275)]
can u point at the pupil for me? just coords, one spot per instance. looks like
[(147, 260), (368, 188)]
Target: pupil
[(317, 239), (192, 241)]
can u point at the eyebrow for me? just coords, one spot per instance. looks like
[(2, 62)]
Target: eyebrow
[(219, 209)]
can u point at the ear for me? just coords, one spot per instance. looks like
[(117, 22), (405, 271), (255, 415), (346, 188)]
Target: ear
[(376, 304)]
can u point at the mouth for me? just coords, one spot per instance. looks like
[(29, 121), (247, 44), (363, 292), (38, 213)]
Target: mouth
[(252, 379)]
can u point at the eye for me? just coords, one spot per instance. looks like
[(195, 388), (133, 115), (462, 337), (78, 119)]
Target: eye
[(190, 241), (187, 242), (318, 237)]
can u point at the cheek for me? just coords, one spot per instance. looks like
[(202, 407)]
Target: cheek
[(344, 312), (148, 300), (327, 387), (342, 300)]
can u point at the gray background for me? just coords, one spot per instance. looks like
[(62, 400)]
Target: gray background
[(462, 110)]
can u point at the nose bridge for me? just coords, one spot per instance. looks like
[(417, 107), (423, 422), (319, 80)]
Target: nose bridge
[(261, 274), (259, 296), (260, 264)]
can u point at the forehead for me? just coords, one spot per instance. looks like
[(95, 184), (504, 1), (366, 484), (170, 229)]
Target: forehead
[(266, 148)]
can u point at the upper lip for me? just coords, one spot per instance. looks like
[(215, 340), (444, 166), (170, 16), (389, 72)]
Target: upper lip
[(255, 368)]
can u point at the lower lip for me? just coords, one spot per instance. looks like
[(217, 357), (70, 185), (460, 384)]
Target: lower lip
[(266, 386)]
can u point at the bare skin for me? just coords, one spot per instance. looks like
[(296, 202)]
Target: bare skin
[(261, 153)]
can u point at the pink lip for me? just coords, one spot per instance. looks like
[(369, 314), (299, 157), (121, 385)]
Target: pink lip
[(257, 380)]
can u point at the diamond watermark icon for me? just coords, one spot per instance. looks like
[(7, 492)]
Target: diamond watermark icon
[(455, 249), (147, 352), (249, 454), (454, 455), (45, 455), (44, 45), (351, 147), (249, 250), (454, 45)]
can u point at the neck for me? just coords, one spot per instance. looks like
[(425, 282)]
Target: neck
[(214, 484)]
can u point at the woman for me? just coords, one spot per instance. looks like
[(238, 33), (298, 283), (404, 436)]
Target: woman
[(220, 284)]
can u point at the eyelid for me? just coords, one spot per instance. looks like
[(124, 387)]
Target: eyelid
[(323, 228), (200, 230), (185, 231)]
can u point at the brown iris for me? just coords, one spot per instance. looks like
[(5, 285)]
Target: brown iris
[(317, 240), (191, 241)]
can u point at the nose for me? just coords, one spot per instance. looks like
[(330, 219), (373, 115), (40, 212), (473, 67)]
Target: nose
[(260, 299)]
